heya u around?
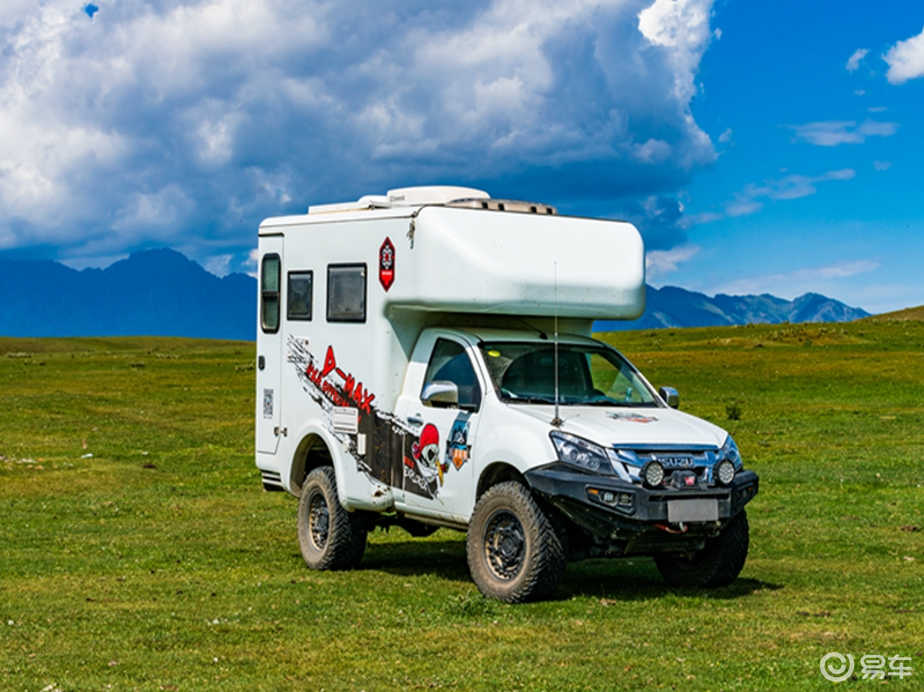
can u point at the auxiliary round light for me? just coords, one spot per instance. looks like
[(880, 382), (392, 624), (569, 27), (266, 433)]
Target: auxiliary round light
[(725, 472), (653, 473)]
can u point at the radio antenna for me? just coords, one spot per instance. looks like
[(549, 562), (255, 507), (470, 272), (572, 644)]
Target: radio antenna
[(556, 421)]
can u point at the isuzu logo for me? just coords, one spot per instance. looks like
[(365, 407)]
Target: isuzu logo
[(675, 462)]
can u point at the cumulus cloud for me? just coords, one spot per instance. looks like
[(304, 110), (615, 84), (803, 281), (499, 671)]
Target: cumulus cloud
[(854, 62), (145, 121), (831, 133), (905, 60)]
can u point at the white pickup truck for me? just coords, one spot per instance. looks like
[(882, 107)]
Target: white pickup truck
[(440, 372)]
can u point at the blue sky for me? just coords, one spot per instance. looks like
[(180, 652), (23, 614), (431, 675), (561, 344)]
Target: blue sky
[(759, 147)]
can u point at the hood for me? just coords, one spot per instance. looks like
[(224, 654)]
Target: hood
[(632, 427)]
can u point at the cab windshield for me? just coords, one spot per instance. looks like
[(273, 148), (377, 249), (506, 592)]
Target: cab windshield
[(588, 375)]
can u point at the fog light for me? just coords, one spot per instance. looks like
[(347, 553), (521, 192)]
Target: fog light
[(653, 473), (725, 472)]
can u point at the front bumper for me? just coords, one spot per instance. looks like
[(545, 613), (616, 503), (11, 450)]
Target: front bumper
[(630, 518)]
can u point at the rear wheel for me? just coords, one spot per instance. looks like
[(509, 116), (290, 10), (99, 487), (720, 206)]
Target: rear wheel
[(329, 537), (514, 552), (718, 564)]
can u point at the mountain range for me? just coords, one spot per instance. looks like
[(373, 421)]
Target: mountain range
[(151, 293), (677, 307), (162, 293)]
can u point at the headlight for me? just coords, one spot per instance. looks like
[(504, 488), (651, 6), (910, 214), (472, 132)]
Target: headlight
[(580, 453), (728, 463), (730, 451)]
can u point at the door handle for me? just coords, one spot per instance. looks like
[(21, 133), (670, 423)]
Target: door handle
[(415, 420)]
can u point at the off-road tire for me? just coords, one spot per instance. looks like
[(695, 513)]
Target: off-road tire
[(718, 564), (330, 538), (514, 552)]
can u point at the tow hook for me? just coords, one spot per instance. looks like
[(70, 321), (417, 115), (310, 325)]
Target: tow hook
[(664, 527)]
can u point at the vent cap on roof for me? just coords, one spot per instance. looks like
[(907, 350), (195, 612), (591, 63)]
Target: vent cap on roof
[(432, 194)]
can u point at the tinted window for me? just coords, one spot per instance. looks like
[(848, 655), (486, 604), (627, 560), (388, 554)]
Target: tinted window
[(269, 293), (346, 293), (298, 296), (450, 363)]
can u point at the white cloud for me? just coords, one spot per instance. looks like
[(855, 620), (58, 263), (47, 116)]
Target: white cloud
[(219, 265), (164, 118), (725, 136), (882, 165), (831, 133), (906, 60), (681, 26), (661, 262), (795, 186), (854, 62)]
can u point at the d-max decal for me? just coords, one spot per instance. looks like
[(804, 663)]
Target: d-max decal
[(340, 395)]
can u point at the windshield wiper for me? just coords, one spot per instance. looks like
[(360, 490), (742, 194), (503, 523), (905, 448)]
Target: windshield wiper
[(517, 399)]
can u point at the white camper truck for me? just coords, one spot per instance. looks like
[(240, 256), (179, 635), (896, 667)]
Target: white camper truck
[(425, 360)]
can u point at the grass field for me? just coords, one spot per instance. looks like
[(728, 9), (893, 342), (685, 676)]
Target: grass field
[(139, 551)]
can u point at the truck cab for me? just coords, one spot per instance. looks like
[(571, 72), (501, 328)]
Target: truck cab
[(447, 378)]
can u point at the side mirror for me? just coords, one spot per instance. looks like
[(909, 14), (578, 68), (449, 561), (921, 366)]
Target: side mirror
[(440, 392), (670, 396)]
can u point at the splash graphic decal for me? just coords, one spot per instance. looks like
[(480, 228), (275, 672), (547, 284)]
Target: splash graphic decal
[(391, 442)]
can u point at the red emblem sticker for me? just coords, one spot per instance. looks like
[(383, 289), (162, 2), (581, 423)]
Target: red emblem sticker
[(387, 264)]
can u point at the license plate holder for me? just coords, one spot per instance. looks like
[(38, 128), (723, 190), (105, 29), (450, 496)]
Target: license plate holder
[(693, 510)]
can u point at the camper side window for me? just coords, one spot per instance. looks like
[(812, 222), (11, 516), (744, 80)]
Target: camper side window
[(450, 363), (298, 296), (346, 293), (269, 294)]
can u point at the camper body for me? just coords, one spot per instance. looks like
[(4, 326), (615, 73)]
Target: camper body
[(425, 360)]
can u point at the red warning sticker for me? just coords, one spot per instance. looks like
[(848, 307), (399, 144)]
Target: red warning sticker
[(387, 264)]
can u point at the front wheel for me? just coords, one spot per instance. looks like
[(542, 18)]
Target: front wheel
[(330, 538), (718, 563), (514, 553)]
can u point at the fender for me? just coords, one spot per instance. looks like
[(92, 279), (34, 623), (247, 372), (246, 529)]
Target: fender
[(355, 489)]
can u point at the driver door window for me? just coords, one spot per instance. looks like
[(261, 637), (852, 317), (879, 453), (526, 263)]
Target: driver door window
[(450, 363)]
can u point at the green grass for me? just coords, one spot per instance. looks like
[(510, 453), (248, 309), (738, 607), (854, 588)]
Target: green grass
[(158, 563)]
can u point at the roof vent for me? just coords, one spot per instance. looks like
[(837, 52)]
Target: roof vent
[(432, 194)]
